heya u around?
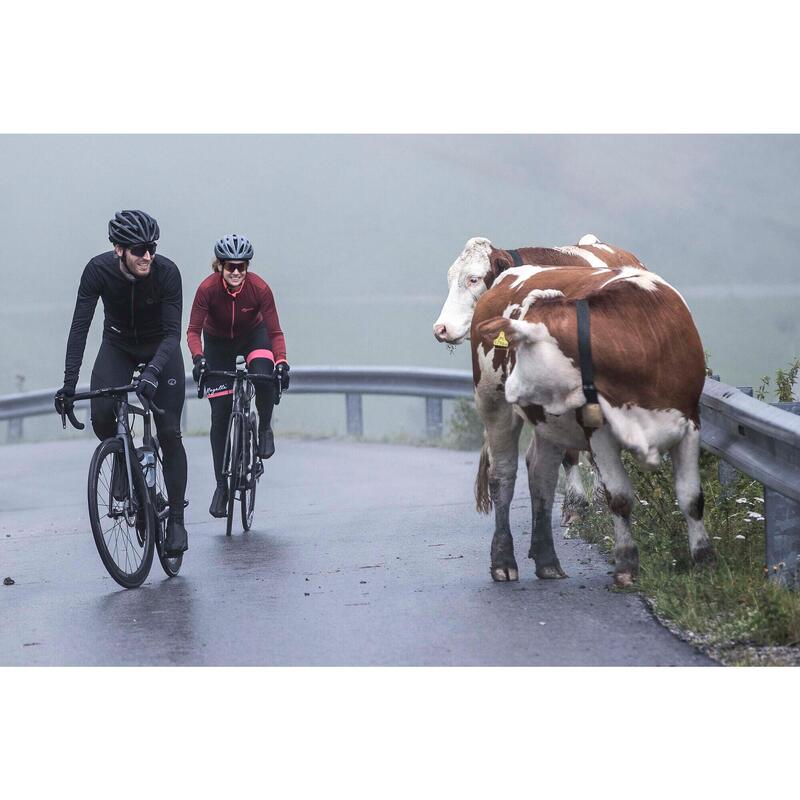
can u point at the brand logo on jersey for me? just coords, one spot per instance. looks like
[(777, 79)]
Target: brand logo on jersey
[(172, 381), (249, 309), (150, 301)]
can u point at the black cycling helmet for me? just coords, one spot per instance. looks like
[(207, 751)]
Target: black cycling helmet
[(132, 227), (233, 248)]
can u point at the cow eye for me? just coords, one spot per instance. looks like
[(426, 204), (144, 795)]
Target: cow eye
[(473, 280)]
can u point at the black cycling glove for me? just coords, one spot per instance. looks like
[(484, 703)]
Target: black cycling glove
[(282, 371), (199, 367), (148, 383), (62, 401)]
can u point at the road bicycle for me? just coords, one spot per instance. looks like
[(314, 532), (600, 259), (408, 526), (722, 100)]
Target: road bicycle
[(242, 467), (128, 501)]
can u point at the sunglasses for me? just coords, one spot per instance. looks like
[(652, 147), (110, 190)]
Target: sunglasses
[(228, 267), (139, 250)]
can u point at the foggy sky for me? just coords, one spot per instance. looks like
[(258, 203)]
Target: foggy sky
[(355, 233)]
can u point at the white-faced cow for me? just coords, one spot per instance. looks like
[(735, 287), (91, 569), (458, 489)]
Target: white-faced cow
[(471, 275), (648, 372)]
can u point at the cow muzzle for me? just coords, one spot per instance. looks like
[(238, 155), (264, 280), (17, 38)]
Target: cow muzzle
[(442, 334)]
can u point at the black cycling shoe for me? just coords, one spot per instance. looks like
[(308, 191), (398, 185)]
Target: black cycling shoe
[(177, 538), (266, 443), (119, 479), (219, 503)]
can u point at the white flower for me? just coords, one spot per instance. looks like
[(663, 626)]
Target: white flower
[(644, 502), (755, 515), (739, 536), (718, 538), (741, 500), (759, 499)]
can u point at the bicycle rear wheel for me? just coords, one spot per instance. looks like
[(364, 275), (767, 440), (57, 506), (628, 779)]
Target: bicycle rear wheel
[(251, 476), (170, 564), (122, 528), (235, 466)]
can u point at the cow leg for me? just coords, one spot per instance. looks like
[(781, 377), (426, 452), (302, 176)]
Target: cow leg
[(619, 496), (503, 427), (686, 467), (543, 461), (575, 501)]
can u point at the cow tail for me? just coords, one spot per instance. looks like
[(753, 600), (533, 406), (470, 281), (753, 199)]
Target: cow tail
[(483, 501)]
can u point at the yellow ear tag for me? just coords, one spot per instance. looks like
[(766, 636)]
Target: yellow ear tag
[(501, 340)]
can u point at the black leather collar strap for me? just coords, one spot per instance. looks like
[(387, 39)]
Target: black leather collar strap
[(585, 351), (515, 257)]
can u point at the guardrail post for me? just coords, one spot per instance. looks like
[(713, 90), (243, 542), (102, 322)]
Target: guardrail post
[(783, 538), (355, 414), (14, 431), (782, 524), (433, 417)]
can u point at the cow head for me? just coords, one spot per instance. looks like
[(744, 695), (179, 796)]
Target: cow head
[(540, 373), (470, 275)]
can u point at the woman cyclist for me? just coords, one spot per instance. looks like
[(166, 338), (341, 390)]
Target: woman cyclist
[(235, 310)]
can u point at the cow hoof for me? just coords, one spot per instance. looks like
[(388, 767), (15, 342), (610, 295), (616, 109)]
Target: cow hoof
[(550, 572), (623, 580), (704, 556), (503, 574)]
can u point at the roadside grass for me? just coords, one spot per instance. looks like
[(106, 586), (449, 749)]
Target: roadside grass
[(727, 608)]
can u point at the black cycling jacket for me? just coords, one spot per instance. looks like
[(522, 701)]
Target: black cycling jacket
[(137, 311)]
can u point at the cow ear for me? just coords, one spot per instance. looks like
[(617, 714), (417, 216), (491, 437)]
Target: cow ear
[(494, 332), (499, 265)]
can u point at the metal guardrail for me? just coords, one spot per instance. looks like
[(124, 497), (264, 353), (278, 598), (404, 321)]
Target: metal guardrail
[(758, 439), (435, 385)]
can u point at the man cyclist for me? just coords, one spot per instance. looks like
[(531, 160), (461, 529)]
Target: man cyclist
[(143, 301)]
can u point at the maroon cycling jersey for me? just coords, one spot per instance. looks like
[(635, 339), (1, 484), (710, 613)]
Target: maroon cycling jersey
[(226, 314)]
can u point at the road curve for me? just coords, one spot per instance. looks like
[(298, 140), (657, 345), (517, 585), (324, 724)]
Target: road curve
[(361, 554)]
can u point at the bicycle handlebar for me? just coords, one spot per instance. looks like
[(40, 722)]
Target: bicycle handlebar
[(117, 391), (254, 377)]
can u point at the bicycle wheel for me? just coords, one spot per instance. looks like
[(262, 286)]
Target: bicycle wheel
[(235, 476), (170, 564), (122, 528), (251, 464)]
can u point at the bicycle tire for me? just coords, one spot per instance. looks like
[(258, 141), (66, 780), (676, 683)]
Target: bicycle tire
[(235, 469), (98, 488), (158, 494), (250, 476)]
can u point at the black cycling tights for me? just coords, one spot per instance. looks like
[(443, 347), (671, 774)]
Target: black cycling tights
[(114, 366), (221, 354)]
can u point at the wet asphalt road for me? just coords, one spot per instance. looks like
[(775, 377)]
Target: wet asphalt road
[(360, 554)]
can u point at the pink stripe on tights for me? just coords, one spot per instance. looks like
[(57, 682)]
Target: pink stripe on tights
[(260, 354)]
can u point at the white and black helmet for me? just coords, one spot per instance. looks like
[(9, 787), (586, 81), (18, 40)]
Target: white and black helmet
[(233, 247), (132, 227)]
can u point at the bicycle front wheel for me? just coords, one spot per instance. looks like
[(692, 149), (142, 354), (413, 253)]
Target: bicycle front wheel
[(160, 505), (122, 525), (250, 477), (235, 466)]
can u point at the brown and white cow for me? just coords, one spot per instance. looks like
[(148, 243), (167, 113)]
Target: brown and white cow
[(471, 275), (649, 373)]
